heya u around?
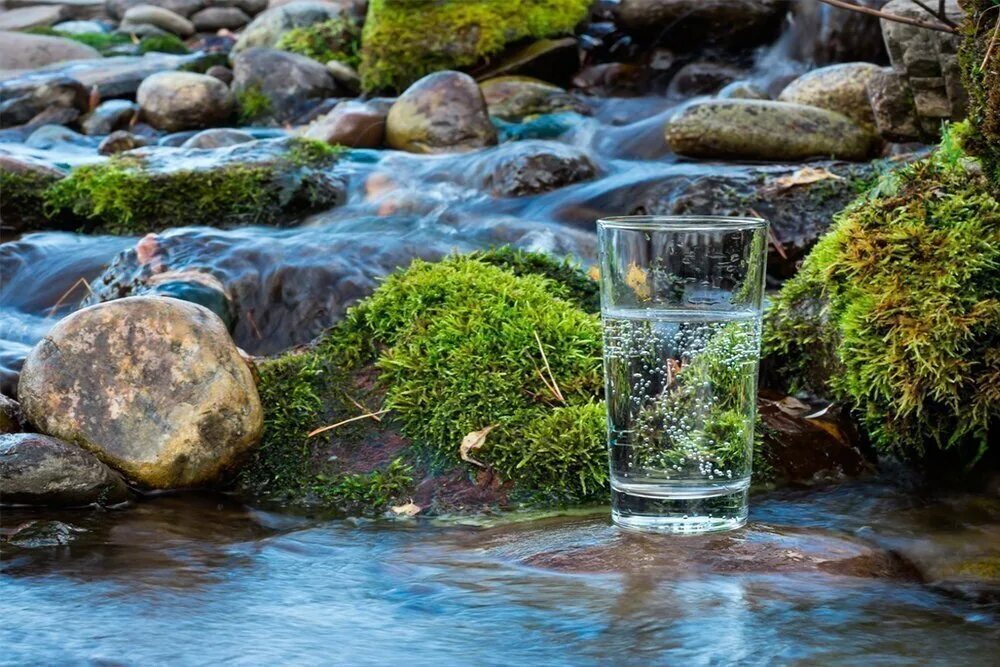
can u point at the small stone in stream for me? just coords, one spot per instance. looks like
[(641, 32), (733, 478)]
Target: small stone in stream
[(221, 72), (350, 123), (55, 137), (109, 116), (533, 167), (765, 130), (345, 75), (27, 52), (11, 420), (267, 28), (175, 101), (512, 98), (120, 141), (19, 103), (702, 78), (160, 17), (31, 17), (217, 138), (609, 79), (211, 19), (277, 85), (153, 386), (117, 8), (841, 88), (38, 470), (684, 23), (443, 112), (741, 90), (81, 27)]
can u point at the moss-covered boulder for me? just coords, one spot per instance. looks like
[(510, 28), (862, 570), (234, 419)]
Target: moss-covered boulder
[(267, 29), (334, 39), (897, 310), (259, 182), (404, 40), (981, 74), (23, 183)]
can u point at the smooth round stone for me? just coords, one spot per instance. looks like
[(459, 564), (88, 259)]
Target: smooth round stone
[(841, 88), (24, 51), (351, 123), (211, 19), (217, 138), (174, 101), (161, 18)]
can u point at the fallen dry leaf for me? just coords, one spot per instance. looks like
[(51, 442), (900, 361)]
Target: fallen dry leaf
[(792, 406), (474, 441), (637, 279), (803, 176), (409, 509)]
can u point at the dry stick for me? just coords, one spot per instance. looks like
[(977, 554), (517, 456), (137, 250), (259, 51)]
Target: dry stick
[(936, 25), (555, 385), (939, 16), (351, 399), (369, 415), (993, 41), (53, 309)]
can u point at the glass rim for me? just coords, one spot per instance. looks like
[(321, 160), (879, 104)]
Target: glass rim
[(681, 222)]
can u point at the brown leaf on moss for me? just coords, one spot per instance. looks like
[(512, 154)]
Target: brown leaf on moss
[(803, 176), (407, 509), (474, 441)]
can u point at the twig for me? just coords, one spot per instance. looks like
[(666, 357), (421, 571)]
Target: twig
[(351, 399), (369, 415), (989, 49), (930, 25), (253, 324), (548, 369), (83, 281), (939, 15)]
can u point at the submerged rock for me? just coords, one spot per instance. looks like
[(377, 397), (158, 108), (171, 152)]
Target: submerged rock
[(10, 416), (278, 86), (351, 123), (532, 167), (153, 386), (38, 470), (841, 88), (120, 141), (24, 51), (512, 98), (175, 101), (217, 138), (442, 113), (765, 130)]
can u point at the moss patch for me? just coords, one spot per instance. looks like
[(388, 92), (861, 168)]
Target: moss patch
[(252, 104), (897, 309), (404, 40), (122, 196), (163, 44), (102, 41), (337, 39), (22, 199), (981, 75)]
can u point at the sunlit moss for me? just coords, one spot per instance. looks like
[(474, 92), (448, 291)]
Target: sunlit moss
[(162, 44), (337, 39), (252, 104)]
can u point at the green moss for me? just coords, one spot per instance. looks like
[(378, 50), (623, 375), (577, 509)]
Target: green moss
[(102, 41), (404, 40), (582, 289), (897, 310), (337, 39), (22, 199), (367, 493), (162, 44), (252, 104), (981, 76), (121, 196)]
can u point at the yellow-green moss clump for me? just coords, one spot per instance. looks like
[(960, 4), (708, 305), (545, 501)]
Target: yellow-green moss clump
[(252, 105), (123, 196), (337, 39), (980, 61), (897, 309), (404, 40)]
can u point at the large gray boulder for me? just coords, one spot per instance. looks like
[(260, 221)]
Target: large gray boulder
[(25, 51), (285, 84), (267, 28), (742, 129), (32, 17), (38, 470), (153, 386), (175, 101), (444, 112)]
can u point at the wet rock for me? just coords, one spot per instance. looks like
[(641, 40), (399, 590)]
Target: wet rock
[(555, 60), (153, 386), (841, 88), (765, 130), (741, 90), (159, 17), (583, 546), (608, 79), (24, 51), (39, 470), (284, 83), (117, 8), (23, 180), (512, 98), (702, 78), (441, 113), (800, 202), (217, 138), (31, 17), (267, 28), (41, 534), (345, 75), (11, 420), (825, 35), (350, 123), (120, 141), (57, 137), (81, 27), (533, 167), (221, 72), (175, 101), (683, 23), (23, 100), (109, 116), (211, 19)]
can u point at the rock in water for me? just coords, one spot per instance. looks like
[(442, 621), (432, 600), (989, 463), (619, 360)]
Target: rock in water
[(153, 386), (765, 130), (350, 123), (443, 112), (531, 167), (175, 101), (840, 88), (513, 98), (277, 85), (39, 470), (10, 415)]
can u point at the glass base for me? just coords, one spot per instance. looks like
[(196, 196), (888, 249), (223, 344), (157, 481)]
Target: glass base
[(661, 508)]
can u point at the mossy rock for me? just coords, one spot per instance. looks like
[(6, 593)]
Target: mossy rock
[(981, 76), (404, 40), (261, 182), (897, 310), (22, 195), (337, 39)]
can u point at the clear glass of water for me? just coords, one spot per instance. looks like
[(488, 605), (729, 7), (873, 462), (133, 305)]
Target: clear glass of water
[(681, 308)]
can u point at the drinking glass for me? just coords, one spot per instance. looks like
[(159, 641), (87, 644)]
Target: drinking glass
[(681, 310)]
